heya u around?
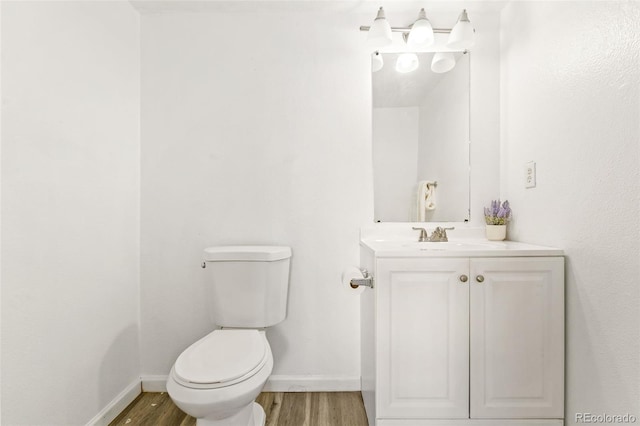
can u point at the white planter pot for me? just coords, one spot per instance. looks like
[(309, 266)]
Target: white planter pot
[(496, 232)]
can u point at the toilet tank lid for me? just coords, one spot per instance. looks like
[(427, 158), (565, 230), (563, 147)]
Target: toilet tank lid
[(246, 253)]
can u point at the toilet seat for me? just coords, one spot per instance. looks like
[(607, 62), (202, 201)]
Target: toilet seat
[(222, 358)]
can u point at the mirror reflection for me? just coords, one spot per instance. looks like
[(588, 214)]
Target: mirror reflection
[(421, 140)]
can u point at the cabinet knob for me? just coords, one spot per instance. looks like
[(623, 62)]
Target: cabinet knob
[(480, 278), (463, 278)]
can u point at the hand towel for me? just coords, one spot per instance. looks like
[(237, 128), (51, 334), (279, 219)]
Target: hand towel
[(426, 199)]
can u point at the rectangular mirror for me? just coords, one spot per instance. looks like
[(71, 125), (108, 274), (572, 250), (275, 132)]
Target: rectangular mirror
[(421, 140)]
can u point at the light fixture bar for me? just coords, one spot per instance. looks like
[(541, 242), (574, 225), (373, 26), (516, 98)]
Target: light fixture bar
[(407, 29)]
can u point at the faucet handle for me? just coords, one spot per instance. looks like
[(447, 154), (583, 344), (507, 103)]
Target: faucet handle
[(423, 234), (444, 233)]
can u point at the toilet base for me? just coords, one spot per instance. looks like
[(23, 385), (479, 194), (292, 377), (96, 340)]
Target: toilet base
[(251, 415), (259, 416)]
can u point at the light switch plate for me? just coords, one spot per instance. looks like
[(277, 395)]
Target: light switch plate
[(530, 174)]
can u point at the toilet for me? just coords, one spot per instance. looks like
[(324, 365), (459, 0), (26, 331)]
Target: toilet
[(217, 379)]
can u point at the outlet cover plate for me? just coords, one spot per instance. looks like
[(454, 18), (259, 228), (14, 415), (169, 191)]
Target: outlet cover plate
[(530, 174)]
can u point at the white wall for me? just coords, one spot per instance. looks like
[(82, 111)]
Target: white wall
[(395, 149), (443, 154), (485, 114), (256, 128), (264, 136), (70, 187), (571, 102)]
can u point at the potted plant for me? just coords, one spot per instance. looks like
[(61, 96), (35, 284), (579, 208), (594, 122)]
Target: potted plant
[(496, 218)]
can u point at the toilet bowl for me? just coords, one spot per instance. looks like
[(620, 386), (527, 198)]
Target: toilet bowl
[(217, 379)]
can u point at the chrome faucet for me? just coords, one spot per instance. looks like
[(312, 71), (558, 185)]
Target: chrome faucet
[(423, 234), (438, 235)]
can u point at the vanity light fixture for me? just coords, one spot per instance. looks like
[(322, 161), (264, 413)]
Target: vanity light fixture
[(462, 34), (379, 34), (421, 33), (443, 62), (461, 37), (376, 61), (407, 62)]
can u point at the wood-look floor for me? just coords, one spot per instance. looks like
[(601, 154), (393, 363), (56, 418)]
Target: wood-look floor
[(282, 409)]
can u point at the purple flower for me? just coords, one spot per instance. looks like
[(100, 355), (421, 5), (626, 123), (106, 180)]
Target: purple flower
[(498, 214), (495, 207), (502, 212)]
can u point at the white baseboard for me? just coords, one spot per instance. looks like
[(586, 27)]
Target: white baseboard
[(279, 383), (154, 383), (312, 383), (115, 407)]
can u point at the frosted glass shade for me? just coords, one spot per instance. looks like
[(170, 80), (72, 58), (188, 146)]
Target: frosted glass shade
[(462, 35), (379, 34), (376, 62), (443, 62), (421, 33), (407, 62)]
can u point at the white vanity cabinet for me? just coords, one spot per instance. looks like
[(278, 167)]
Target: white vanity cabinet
[(516, 336), (464, 341), (422, 338)]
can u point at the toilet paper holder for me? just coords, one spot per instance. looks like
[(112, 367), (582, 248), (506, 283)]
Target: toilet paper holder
[(366, 280)]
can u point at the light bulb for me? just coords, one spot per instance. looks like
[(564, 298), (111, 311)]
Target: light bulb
[(376, 62), (379, 34), (407, 62), (443, 62), (462, 35), (421, 33)]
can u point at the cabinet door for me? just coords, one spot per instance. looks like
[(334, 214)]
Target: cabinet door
[(422, 338), (517, 338)]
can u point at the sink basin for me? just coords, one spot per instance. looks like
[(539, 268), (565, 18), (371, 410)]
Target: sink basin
[(453, 245)]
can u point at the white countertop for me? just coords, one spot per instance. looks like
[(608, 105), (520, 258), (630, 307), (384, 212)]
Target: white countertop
[(457, 248), (400, 240)]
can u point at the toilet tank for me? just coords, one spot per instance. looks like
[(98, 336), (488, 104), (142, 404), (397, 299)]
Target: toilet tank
[(247, 286)]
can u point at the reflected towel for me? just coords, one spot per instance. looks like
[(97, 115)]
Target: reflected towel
[(426, 199)]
